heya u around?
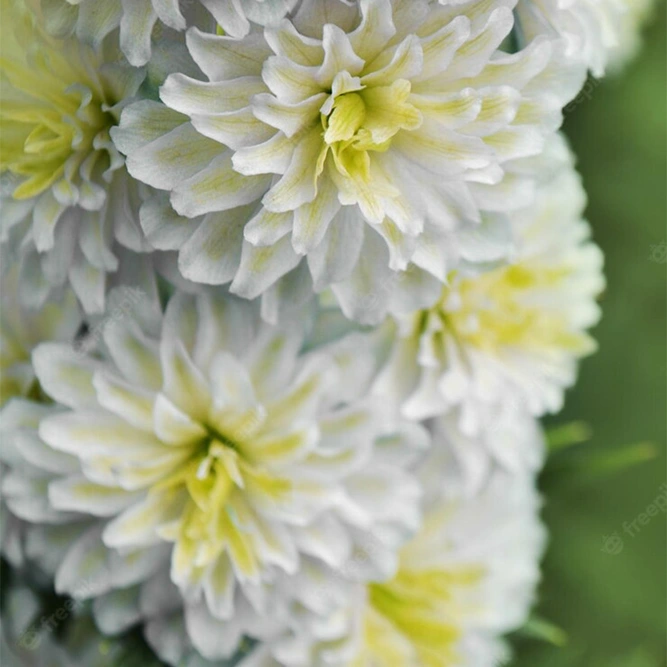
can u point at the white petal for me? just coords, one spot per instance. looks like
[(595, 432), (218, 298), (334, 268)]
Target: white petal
[(167, 161), (218, 187), (184, 383), (31, 448), (289, 81), (135, 30), (77, 494), (173, 426), (224, 58), (137, 525), (66, 375), (85, 572), (375, 30), (290, 119), (95, 21), (144, 122), (212, 638), (234, 129), (169, 13), (298, 184), (219, 589), (131, 403), (164, 228), (271, 359), (225, 323), (261, 267), (189, 96), (213, 253), (235, 410), (89, 284), (266, 227), (311, 221), (88, 434), (334, 259), (135, 355), (326, 539)]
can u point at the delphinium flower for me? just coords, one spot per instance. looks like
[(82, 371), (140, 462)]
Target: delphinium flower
[(467, 578), (506, 342), (599, 34), (67, 200), (93, 20), (363, 139), (206, 440)]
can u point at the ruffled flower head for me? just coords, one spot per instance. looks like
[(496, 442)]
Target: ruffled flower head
[(65, 194), (214, 440), (367, 138), (507, 341), (467, 578)]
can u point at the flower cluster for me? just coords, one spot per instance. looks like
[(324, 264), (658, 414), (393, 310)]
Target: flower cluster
[(286, 287)]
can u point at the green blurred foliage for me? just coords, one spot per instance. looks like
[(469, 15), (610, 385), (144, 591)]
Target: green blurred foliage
[(605, 586)]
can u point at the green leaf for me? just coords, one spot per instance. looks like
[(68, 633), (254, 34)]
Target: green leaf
[(602, 464), (567, 435), (543, 630)]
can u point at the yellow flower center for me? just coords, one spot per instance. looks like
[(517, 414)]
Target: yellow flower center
[(506, 307), (415, 619), (364, 121), (216, 515)]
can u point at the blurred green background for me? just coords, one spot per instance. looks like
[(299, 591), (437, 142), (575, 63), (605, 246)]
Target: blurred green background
[(607, 588)]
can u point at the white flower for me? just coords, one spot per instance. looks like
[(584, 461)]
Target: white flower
[(507, 341), (368, 138), (210, 440), (66, 197), (93, 20), (597, 33), (467, 578)]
